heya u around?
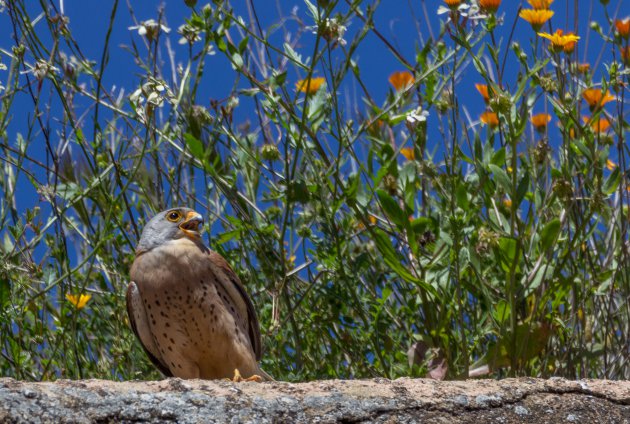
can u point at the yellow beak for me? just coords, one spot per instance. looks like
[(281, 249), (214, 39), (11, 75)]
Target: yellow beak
[(192, 225)]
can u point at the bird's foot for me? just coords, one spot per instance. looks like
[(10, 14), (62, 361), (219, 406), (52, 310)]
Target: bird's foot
[(238, 378)]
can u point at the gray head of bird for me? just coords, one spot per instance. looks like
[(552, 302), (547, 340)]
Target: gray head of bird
[(171, 225)]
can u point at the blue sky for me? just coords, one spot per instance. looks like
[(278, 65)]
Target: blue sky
[(406, 24)]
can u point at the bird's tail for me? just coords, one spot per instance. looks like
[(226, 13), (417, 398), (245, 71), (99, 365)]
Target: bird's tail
[(265, 375)]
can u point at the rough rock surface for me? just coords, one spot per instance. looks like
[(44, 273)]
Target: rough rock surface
[(379, 400)]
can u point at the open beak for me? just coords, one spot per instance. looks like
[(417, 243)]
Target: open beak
[(192, 225)]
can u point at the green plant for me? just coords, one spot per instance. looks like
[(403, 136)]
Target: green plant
[(359, 228)]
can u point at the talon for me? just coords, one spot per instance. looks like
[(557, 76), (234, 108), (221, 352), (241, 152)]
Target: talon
[(237, 376)]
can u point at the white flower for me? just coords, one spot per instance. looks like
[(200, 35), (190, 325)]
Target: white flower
[(41, 69), (189, 34), (149, 96), (417, 116), (332, 31), (149, 28), (465, 10)]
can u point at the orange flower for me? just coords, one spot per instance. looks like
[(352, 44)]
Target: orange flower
[(540, 121), (599, 126), (570, 46), (595, 98), (453, 4), (536, 17), (401, 80), (489, 5), (583, 68), (375, 126), (540, 4), (623, 27), (310, 85), (507, 202), (483, 90), (79, 301), (610, 165), (491, 119), (560, 41), (408, 153)]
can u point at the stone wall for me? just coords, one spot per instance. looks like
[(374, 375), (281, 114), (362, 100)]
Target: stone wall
[(378, 400)]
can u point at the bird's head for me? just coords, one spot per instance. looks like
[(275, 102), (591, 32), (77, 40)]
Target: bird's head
[(170, 225)]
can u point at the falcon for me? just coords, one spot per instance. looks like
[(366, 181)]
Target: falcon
[(187, 307)]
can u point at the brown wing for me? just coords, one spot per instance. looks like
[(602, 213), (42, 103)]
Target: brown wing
[(140, 326), (252, 318)]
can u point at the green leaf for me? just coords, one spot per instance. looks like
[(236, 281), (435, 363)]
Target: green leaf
[(501, 177), (579, 148), (549, 234), (352, 187), (508, 248), (612, 182), (295, 57), (242, 45), (501, 312), (498, 158), (221, 45), (461, 195), (297, 191), (421, 224), (237, 60), (507, 252), (195, 146), (392, 209), (5, 291), (521, 190), (395, 261)]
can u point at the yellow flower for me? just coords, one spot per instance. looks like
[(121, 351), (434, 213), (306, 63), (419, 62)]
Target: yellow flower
[(372, 219), (489, 5), (559, 40), (401, 80), (507, 202), (540, 121), (408, 153), (310, 85), (453, 4), (536, 17), (610, 165), (595, 98), (623, 27), (490, 119), (540, 4), (79, 301)]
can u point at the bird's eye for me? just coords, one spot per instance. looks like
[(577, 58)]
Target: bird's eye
[(173, 216)]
